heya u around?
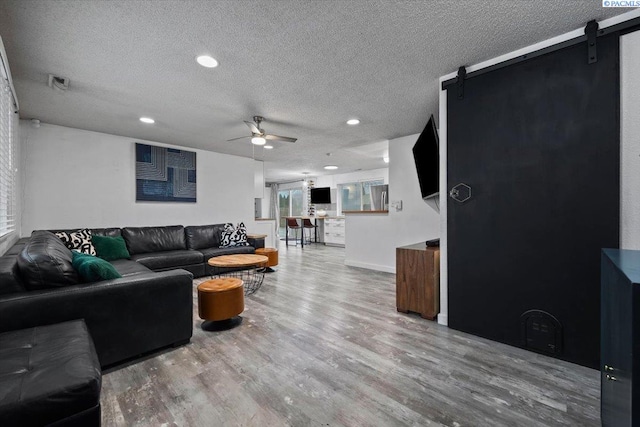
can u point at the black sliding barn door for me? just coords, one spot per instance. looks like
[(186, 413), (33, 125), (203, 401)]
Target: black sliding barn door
[(538, 145)]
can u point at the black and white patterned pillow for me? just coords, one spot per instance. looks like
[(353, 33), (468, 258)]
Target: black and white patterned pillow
[(79, 240), (64, 236), (234, 236)]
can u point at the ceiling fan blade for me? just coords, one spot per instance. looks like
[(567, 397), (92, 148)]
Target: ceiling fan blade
[(241, 137), (253, 127), (280, 138)]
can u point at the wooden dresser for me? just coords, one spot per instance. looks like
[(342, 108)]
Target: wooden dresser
[(418, 280)]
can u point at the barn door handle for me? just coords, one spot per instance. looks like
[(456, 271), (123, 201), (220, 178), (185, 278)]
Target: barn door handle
[(460, 192)]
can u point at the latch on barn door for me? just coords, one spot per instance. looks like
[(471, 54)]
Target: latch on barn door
[(460, 192)]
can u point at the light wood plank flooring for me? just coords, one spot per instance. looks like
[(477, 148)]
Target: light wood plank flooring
[(321, 344)]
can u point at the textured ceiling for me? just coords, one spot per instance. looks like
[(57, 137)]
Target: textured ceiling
[(306, 66)]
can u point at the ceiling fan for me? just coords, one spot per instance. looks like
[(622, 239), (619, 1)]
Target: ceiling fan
[(259, 136)]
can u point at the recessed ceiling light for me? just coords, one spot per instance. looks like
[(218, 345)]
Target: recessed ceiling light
[(268, 147), (147, 120), (331, 167), (258, 140), (353, 122), (207, 61)]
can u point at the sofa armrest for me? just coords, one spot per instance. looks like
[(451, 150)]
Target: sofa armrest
[(256, 242), (126, 316)]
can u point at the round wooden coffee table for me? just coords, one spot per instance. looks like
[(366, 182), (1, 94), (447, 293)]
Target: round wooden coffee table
[(249, 268)]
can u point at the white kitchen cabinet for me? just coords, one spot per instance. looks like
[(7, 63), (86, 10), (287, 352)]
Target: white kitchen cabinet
[(334, 231)]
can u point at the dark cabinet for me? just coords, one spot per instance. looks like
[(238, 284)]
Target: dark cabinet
[(620, 337)]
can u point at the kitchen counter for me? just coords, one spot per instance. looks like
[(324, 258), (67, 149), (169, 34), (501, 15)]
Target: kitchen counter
[(316, 217), (367, 212), (329, 230)]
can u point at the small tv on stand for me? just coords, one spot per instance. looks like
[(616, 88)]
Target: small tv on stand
[(426, 155)]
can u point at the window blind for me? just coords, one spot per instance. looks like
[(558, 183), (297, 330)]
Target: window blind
[(8, 165)]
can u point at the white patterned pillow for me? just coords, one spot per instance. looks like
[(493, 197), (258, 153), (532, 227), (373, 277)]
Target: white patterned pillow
[(234, 236), (64, 236), (79, 240)]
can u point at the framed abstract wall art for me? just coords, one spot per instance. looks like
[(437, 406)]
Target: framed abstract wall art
[(165, 174)]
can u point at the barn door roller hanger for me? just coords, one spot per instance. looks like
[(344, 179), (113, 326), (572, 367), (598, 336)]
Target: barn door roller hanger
[(591, 31)]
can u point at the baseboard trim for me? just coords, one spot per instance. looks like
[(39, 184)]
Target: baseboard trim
[(369, 266), (443, 319)]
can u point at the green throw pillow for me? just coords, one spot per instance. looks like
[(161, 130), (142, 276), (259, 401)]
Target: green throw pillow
[(110, 248), (93, 269)]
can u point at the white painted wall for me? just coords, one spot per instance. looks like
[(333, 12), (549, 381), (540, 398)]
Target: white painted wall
[(258, 178), (266, 202), (630, 141), (371, 240), (342, 178), (630, 127), (77, 178), (443, 316)]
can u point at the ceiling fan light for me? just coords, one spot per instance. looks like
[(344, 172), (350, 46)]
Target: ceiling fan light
[(258, 140)]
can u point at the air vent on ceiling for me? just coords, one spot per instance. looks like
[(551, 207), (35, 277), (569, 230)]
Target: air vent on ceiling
[(60, 83)]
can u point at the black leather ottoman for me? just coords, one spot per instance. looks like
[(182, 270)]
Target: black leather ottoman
[(49, 375)]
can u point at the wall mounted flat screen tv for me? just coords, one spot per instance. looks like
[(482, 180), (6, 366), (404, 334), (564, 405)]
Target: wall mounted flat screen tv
[(321, 195), (427, 158)]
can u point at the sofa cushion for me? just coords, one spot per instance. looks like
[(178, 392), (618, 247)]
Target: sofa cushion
[(93, 269), (234, 236), (127, 267), (110, 248), (109, 232), (10, 281), (45, 262), (168, 259), (203, 236), (214, 252), (77, 239), (142, 240), (48, 374)]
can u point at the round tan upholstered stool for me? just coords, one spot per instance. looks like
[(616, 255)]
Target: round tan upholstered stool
[(272, 254), (220, 301)]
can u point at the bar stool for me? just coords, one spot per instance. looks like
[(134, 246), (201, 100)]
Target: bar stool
[(307, 224), (292, 223)]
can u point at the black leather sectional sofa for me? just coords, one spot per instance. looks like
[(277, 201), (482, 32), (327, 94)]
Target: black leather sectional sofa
[(150, 307)]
